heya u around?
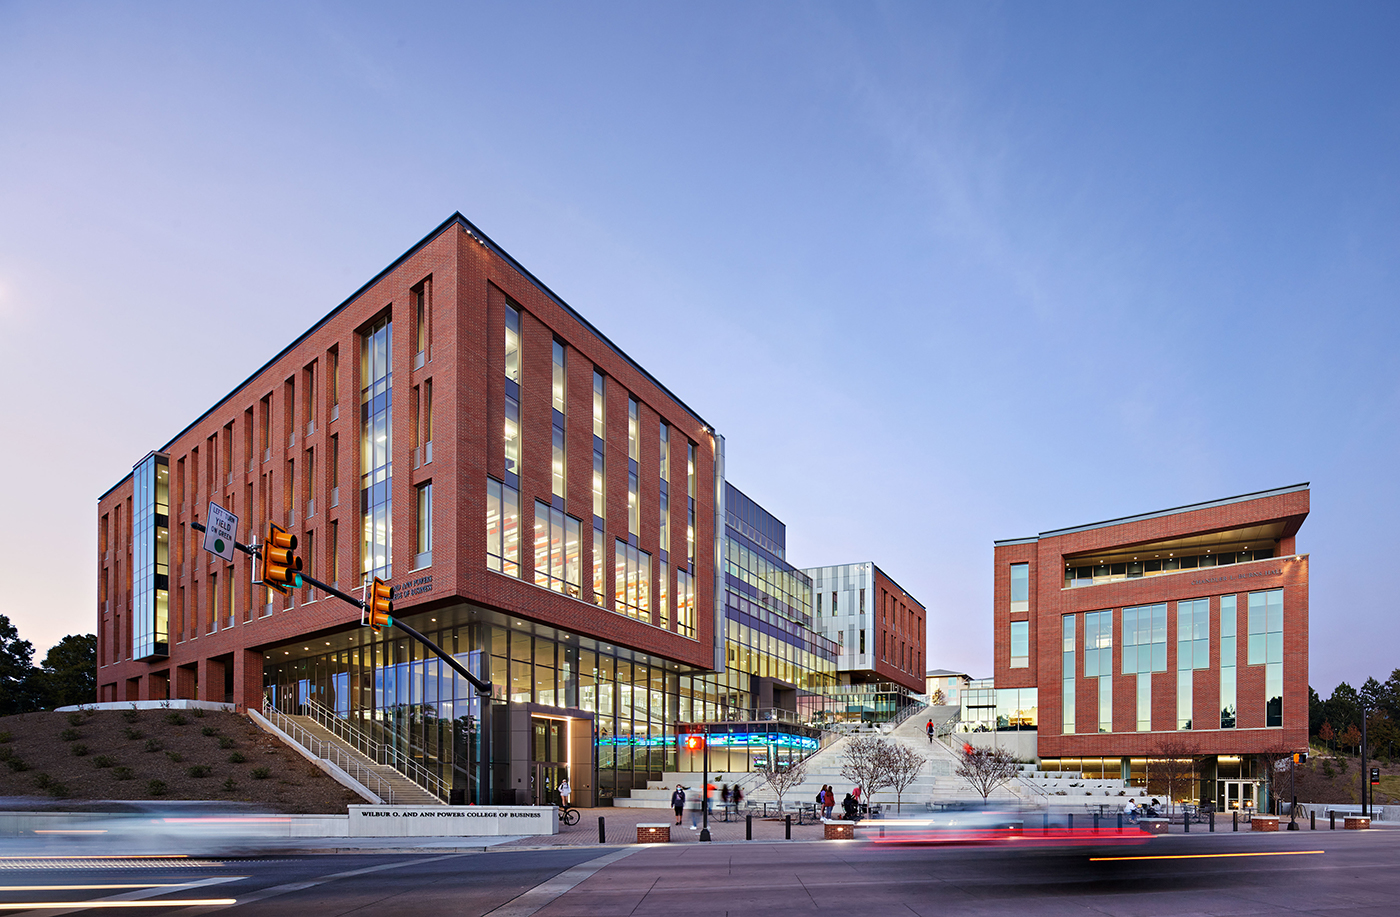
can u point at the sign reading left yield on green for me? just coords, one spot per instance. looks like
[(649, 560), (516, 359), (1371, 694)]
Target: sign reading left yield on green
[(220, 531)]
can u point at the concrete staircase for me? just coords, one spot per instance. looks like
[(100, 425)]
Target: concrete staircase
[(405, 791), (938, 783)]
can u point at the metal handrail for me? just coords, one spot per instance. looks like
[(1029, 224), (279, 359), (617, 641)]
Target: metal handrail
[(377, 752), (330, 752)]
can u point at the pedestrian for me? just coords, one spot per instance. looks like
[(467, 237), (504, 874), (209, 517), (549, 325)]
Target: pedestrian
[(724, 793), (695, 799), (856, 795), (930, 732), (737, 796), (564, 792), (678, 802), (828, 801)]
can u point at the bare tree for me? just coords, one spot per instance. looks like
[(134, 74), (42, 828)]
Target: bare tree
[(867, 764), (986, 768), (782, 777), (905, 765), (1176, 769), (1272, 759)]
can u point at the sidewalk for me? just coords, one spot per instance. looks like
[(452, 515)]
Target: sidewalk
[(621, 828)]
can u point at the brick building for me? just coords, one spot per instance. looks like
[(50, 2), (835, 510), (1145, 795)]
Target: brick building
[(546, 509), (1185, 628), (878, 626)]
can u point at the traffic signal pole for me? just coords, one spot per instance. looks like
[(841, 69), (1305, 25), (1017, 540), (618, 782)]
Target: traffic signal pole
[(483, 688)]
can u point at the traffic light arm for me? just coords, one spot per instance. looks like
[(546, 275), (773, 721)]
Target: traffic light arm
[(483, 688), (246, 549)]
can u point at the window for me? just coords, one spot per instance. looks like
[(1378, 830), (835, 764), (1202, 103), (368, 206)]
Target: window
[(663, 606), (511, 432), (424, 554), (599, 499), (556, 550), (599, 565), (512, 363), (633, 450), (685, 603), (1020, 587), (1020, 644), (664, 498), (1266, 649), (502, 527), (1066, 674), (557, 465), (1144, 652), (632, 594), (427, 422), (1098, 661), (690, 511), (422, 322), (1192, 652), (377, 448), (1227, 662)]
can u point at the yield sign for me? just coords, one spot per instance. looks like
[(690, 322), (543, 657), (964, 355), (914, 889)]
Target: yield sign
[(220, 531)]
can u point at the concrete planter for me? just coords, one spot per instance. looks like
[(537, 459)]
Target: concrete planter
[(837, 830), (1263, 823), (654, 833), (1153, 825), (1356, 822)]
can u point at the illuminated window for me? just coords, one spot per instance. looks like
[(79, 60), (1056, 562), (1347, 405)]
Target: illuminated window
[(1020, 644)]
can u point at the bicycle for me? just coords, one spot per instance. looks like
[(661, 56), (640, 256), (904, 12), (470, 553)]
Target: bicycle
[(568, 815)]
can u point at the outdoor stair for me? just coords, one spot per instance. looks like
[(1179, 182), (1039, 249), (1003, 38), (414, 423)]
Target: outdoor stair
[(405, 791)]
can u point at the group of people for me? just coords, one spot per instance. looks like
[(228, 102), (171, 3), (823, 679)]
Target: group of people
[(1132, 811), (850, 806), (684, 795)]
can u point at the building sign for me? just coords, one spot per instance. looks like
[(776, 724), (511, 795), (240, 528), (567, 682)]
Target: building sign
[(1250, 575), (452, 821), (755, 740)]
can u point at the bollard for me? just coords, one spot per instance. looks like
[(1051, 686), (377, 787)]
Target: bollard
[(1045, 821), (1186, 821), (882, 831), (602, 831), (1312, 821), (1212, 821), (1096, 823), (748, 827), (1332, 817), (1071, 821), (1235, 821), (1120, 822), (787, 827)]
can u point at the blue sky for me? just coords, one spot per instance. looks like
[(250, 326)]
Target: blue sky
[(940, 273)]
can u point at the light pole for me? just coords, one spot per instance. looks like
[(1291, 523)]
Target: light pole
[(705, 790), (1365, 775)]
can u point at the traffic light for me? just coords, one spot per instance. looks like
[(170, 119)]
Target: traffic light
[(1375, 776), (1300, 757), (378, 609), (694, 743), (281, 565)]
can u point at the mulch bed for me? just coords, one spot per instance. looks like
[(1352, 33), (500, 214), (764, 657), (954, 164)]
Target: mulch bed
[(69, 758)]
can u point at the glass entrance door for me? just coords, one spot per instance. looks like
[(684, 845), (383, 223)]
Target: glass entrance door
[(549, 760), (1236, 795)]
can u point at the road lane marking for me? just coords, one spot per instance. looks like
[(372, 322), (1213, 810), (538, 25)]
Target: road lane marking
[(527, 903), (1209, 856), (71, 906), (57, 888)]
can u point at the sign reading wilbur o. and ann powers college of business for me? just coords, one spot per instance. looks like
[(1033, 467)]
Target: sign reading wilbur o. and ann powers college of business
[(451, 821)]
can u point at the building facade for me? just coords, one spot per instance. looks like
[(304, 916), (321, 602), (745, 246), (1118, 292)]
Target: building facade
[(951, 683), (546, 510), (1170, 634)]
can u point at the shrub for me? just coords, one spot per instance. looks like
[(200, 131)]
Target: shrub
[(153, 745), (260, 773), (58, 790), (5, 752), (155, 787), (70, 735), (75, 719), (226, 742), (1327, 770), (6, 737), (199, 771), (122, 773), (131, 733), (175, 756), (1342, 762), (209, 731), (42, 781), (78, 749), (16, 763), (230, 785), (103, 761), (174, 718), (199, 712), (131, 715), (236, 758)]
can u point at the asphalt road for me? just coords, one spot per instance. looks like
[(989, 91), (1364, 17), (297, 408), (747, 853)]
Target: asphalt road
[(1356, 873)]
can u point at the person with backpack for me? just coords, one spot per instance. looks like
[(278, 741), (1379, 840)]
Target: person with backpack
[(829, 800)]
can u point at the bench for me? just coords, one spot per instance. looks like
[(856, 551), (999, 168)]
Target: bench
[(654, 833)]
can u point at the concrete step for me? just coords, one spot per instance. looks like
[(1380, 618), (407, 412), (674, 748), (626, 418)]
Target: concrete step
[(406, 792)]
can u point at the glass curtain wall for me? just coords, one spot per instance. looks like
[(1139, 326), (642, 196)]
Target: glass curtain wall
[(150, 560), (377, 448)]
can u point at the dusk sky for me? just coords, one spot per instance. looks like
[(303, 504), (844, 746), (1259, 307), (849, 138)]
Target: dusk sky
[(940, 273)]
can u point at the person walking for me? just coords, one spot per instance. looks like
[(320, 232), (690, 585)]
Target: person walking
[(695, 799), (930, 731), (678, 802), (564, 792), (736, 796)]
